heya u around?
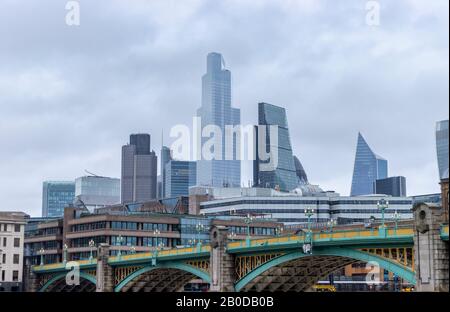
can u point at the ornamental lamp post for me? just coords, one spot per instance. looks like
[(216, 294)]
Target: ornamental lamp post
[(41, 252), (133, 249), (232, 236), (278, 231), (119, 240), (248, 220), (91, 247), (65, 247), (331, 223), (397, 217), (382, 205)]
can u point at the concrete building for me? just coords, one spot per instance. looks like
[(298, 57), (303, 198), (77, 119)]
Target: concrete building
[(289, 208), (95, 191), (12, 228), (393, 186), (139, 170), (55, 196)]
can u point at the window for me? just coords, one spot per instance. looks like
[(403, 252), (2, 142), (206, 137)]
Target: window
[(17, 228), (4, 258), (16, 242), (5, 227), (3, 275), (15, 277), (4, 241), (16, 259)]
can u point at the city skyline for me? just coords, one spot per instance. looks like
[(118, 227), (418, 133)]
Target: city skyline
[(52, 101)]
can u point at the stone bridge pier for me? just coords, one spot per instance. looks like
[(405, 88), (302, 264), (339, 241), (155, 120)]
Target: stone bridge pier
[(431, 251), (222, 271)]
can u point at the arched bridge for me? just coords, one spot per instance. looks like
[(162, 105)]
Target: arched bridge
[(284, 263)]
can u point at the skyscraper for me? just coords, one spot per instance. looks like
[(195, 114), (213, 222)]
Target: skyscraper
[(284, 176), (301, 173), (216, 110), (55, 196), (180, 175), (442, 148), (139, 170), (368, 168), (394, 186), (165, 158), (95, 191)]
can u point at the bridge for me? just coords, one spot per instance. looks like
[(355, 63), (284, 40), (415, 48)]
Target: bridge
[(283, 263)]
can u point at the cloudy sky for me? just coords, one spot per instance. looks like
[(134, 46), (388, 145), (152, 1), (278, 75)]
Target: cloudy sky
[(71, 95)]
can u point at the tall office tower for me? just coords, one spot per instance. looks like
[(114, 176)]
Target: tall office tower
[(301, 173), (284, 177), (216, 110), (95, 192), (368, 168), (166, 156), (394, 186), (55, 196), (139, 170), (180, 175), (442, 148)]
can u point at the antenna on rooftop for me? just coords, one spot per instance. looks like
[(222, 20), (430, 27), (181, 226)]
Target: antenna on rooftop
[(93, 174)]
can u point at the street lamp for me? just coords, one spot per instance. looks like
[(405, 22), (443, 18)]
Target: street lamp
[(119, 240), (65, 247), (382, 205), (248, 220), (278, 231), (91, 247), (41, 252), (309, 212), (200, 228), (232, 236), (331, 223), (396, 218), (307, 246), (133, 249)]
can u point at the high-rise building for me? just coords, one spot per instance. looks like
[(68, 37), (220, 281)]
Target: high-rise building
[(139, 170), (368, 168), (180, 175), (216, 110), (55, 196), (442, 148), (284, 176), (394, 186), (166, 156), (301, 173), (95, 192)]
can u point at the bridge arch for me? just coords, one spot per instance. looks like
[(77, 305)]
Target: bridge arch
[(172, 266), (352, 255), (58, 277)]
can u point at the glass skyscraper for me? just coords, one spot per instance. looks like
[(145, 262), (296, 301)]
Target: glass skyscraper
[(166, 156), (368, 168), (180, 175), (393, 186), (139, 170), (216, 110), (442, 147), (284, 177), (55, 196), (94, 192), (301, 173)]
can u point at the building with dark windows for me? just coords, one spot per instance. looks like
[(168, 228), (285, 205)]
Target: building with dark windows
[(166, 156), (141, 232), (12, 228), (55, 196), (139, 170), (216, 110), (442, 148), (368, 168), (94, 191), (301, 173), (284, 176), (180, 175), (394, 186)]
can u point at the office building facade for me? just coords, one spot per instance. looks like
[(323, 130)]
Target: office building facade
[(12, 229), (442, 148), (139, 170), (166, 156), (393, 186), (95, 191), (216, 110), (284, 176), (368, 168), (300, 171), (55, 196), (180, 175)]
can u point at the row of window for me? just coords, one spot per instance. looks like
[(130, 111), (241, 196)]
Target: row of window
[(15, 276), (16, 258), (4, 227), (16, 241), (124, 225)]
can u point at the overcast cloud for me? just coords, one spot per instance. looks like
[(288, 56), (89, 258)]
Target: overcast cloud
[(70, 96)]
